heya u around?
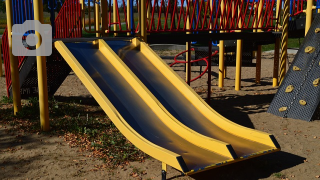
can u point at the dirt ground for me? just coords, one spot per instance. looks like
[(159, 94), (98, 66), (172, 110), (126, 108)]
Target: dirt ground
[(40, 156)]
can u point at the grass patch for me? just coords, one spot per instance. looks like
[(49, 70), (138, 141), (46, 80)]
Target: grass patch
[(83, 126), (279, 175), (292, 43)]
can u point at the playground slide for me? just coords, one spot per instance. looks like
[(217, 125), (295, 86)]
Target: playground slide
[(189, 108), (142, 118)]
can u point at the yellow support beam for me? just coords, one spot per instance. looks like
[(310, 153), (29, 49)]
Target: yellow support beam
[(114, 13), (13, 63), (42, 72), (128, 17), (308, 15), (97, 17), (188, 70), (221, 55), (276, 63), (238, 59)]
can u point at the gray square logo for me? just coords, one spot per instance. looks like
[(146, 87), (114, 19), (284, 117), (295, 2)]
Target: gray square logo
[(27, 46)]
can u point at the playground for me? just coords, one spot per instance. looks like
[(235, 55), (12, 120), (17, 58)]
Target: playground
[(160, 89), (48, 156)]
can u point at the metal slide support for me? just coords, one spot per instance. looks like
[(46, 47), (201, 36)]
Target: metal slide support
[(164, 171), (308, 16), (97, 17), (42, 72), (13, 62), (284, 40)]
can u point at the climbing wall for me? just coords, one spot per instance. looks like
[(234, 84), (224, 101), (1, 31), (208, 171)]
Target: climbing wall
[(299, 94)]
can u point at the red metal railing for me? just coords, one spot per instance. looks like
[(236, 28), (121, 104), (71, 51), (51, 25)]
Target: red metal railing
[(6, 59), (67, 23), (298, 7), (172, 15)]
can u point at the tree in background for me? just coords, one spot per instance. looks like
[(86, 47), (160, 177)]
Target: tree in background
[(45, 5)]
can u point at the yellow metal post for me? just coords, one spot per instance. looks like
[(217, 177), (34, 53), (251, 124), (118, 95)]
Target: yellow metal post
[(308, 15), (128, 17), (143, 26), (104, 17), (284, 40), (13, 62), (276, 63), (188, 70), (164, 170), (114, 13), (221, 55), (97, 17), (276, 50), (42, 72), (238, 59)]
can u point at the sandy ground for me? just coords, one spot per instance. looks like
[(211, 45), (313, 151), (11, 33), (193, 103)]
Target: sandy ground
[(33, 156)]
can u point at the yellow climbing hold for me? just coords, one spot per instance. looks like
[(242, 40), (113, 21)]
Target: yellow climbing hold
[(316, 82), (317, 30), (303, 102), (309, 49), (296, 68), (289, 89), (282, 109)]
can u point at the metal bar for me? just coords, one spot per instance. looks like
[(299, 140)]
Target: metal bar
[(276, 63), (42, 72), (13, 62), (188, 70), (209, 72)]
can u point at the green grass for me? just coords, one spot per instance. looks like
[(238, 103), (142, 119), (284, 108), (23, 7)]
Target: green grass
[(279, 175), (292, 43), (84, 126)]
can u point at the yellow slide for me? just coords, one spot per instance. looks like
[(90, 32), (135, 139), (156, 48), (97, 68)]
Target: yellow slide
[(141, 114)]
